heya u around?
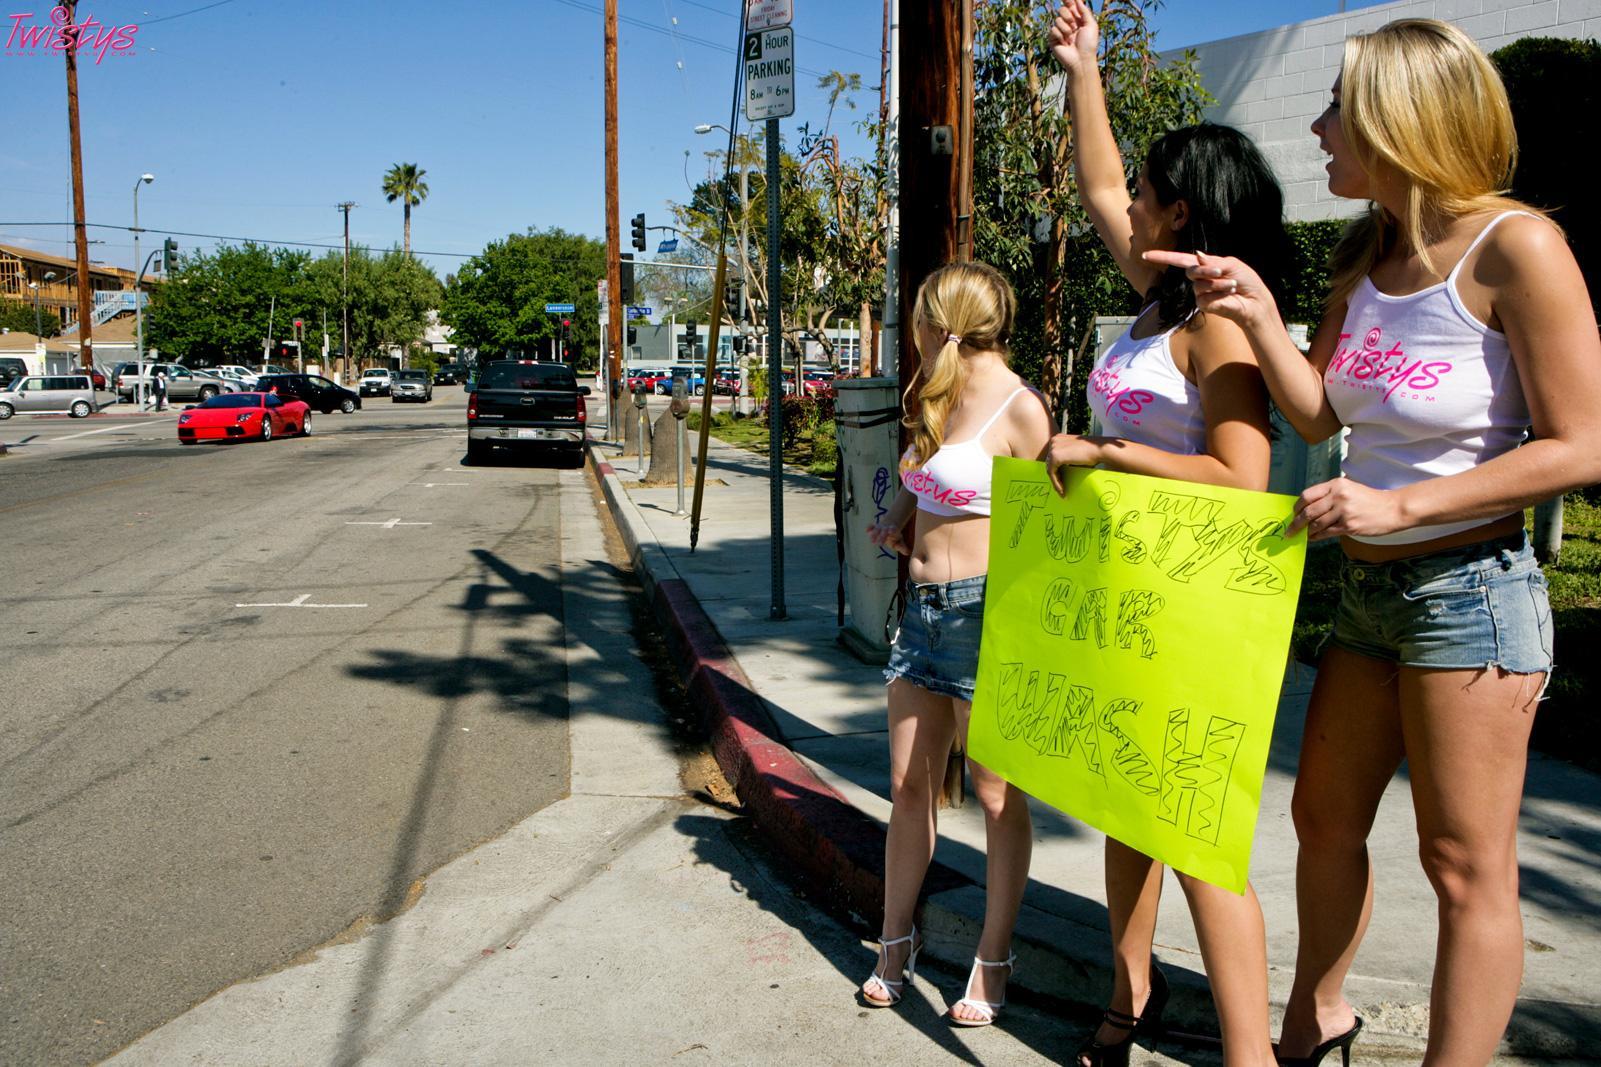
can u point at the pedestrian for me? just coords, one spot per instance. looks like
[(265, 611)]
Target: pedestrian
[(1456, 319), (1178, 395), (970, 407), (158, 384)]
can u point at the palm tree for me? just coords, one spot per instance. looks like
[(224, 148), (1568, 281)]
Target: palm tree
[(404, 183)]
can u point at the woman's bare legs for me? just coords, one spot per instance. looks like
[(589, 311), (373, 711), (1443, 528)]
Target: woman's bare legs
[(1350, 750), (1467, 740), (1234, 950), (921, 728), (1009, 844), (1133, 894)]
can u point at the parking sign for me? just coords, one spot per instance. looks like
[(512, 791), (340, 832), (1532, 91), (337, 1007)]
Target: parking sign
[(770, 74)]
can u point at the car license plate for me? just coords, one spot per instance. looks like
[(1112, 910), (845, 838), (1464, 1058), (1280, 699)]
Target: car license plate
[(531, 435)]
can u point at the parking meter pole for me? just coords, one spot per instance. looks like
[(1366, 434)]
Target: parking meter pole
[(775, 379), (641, 417), (680, 411), (683, 448)]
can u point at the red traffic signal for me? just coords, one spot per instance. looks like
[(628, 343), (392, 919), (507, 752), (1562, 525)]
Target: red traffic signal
[(566, 322)]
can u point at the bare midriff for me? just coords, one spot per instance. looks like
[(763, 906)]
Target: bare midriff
[(1366, 553), (946, 548)]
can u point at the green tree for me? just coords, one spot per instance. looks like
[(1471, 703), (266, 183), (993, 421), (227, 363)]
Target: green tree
[(496, 302), (1028, 220), (404, 182), (1555, 88), (18, 316)]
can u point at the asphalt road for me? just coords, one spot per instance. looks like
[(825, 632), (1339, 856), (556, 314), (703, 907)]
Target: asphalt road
[(252, 694)]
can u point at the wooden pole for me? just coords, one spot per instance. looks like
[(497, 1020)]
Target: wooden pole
[(614, 281), (80, 229), (964, 142)]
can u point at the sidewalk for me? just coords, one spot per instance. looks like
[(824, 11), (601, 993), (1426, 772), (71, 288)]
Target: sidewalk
[(798, 727)]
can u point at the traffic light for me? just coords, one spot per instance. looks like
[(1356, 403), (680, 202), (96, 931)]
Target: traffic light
[(733, 304), (639, 231), (625, 278), (169, 255), (633, 335)]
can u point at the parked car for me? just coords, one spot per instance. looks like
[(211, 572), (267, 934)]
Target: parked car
[(11, 367), (41, 394), (646, 378), (819, 383), (235, 372), (182, 382), (450, 374), (375, 381), (411, 385), (320, 393), (727, 381), (694, 379), (244, 415), (273, 368), (521, 403), (242, 383)]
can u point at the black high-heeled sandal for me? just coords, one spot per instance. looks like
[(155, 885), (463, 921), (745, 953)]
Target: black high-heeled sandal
[(1343, 1042), (1148, 1021)]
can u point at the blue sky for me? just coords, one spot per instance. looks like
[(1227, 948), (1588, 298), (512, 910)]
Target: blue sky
[(258, 116)]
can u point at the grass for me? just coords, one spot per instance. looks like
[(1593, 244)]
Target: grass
[(815, 449), (1566, 725)]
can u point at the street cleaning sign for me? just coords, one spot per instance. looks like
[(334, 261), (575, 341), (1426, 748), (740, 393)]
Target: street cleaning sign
[(765, 14), (1135, 638), (770, 74)]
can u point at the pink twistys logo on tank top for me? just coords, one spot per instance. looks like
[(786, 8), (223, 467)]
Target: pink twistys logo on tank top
[(1372, 366), (1122, 401)]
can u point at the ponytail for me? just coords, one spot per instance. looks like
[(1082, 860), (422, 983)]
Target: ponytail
[(968, 304)]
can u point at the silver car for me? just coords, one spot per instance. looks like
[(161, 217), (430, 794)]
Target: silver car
[(411, 385), (55, 394), (183, 383)]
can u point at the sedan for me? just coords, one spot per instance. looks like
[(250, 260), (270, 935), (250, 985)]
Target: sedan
[(243, 415)]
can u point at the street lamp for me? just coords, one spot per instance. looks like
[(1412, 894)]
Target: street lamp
[(138, 301)]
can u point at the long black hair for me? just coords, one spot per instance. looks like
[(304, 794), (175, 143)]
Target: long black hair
[(1236, 209)]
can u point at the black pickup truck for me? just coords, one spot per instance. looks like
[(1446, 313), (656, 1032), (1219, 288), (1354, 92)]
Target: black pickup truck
[(524, 404)]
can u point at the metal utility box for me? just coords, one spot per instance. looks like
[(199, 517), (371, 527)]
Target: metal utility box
[(867, 422)]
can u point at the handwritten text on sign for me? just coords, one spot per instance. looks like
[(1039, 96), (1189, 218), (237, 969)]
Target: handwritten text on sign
[(1135, 635)]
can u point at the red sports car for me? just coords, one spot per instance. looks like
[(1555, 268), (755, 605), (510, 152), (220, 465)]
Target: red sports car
[(239, 415)]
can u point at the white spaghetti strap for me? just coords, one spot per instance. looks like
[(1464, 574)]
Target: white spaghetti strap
[(984, 429), (1482, 235)]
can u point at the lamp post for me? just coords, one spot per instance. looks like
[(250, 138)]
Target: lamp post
[(138, 302)]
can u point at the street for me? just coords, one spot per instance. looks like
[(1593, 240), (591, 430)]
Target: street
[(254, 693)]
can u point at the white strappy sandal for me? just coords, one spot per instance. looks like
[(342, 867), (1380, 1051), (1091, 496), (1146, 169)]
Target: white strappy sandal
[(989, 1010), (893, 988)]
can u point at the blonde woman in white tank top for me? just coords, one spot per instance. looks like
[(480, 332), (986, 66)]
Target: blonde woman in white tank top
[(1178, 396), (1456, 317)]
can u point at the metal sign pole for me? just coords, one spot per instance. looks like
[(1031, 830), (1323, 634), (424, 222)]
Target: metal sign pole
[(775, 378)]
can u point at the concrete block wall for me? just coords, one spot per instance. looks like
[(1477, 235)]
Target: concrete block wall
[(1272, 84)]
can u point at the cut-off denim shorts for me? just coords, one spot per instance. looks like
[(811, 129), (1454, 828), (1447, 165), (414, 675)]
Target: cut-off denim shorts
[(1472, 607), (936, 647)]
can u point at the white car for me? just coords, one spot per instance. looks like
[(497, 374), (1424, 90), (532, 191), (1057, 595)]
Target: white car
[(244, 375), (375, 381)]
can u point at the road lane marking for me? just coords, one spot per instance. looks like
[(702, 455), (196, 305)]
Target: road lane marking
[(390, 525), (103, 429), (300, 602), (434, 485)]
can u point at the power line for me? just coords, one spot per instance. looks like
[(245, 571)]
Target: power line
[(181, 14), (271, 241), (815, 40), (640, 24)]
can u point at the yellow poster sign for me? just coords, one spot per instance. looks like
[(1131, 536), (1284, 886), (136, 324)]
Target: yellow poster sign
[(1135, 638)]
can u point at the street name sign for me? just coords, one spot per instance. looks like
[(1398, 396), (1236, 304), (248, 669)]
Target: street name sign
[(637, 312), (669, 245), (559, 309), (770, 74), (765, 14)]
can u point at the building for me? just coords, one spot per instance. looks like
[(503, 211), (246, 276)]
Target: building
[(1272, 84), (22, 267)]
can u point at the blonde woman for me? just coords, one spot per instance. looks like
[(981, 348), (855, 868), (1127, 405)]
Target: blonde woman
[(1456, 318), (971, 408)]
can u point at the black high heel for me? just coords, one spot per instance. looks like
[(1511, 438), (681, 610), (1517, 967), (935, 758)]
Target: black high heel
[(1148, 1021), (1342, 1042)]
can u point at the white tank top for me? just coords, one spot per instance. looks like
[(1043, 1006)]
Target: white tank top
[(1137, 394), (1427, 390), (956, 481)]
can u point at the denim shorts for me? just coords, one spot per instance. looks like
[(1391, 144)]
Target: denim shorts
[(936, 647), (1471, 607)]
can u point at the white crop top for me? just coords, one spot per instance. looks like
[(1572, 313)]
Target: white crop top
[(1137, 394), (956, 481), (1427, 390)]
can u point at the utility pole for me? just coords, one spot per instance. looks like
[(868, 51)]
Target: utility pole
[(929, 69), (614, 278), (344, 299), (79, 222)]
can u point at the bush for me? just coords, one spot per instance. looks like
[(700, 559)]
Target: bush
[(1555, 87), (804, 414), (1308, 282)]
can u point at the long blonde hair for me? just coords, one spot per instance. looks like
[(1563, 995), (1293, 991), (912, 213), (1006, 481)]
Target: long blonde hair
[(968, 304), (1419, 98)]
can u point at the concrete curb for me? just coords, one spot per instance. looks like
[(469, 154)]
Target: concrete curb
[(838, 850)]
